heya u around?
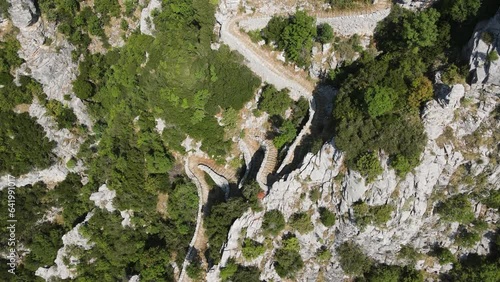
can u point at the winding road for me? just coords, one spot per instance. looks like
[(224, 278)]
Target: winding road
[(265, 65)]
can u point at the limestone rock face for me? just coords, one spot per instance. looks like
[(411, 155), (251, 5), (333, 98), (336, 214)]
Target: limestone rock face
[(479, 47), (104, 198), (147, 25), (440, 113), (23, 13)]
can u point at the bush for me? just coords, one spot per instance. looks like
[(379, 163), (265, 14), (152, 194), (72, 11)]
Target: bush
[(493, 200), (83, 89), (293, 35), (379, 100), (229, 270), (314, 195), (273, 222), (492, 56), (287, 259), (324, 33), (365, 214), (352, 259), (327, 217), (444, 255), (301, 222), (323, 254), (274, 102), (252, 249), (487, 37), (393, 273), (369, 166), (408, 254), (452, 75), (456, 208), (466, 238)]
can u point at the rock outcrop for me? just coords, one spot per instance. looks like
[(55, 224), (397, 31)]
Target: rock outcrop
[(146, 23), (54, 69), (486, 39)]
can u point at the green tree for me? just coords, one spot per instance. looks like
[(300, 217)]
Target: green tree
[(274, 29), (286, 135), (456, 208), (327, 217), (324, 33), (461, 10), (420, 29), (352, 259), (369, 166), (287, 259), (274, 102), (298, 38), (421, 91), (83, 89), (273, 222), (252, 249), (379, 100), (301, 222), (229, 270)]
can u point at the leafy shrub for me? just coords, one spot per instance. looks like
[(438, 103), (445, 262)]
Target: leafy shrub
[(461, 10), (23, 145), (252, 249), (250, 192), (369, 166), (493, 200), (287, 134), (323, 254), (466, 238), (194, 271), (293, 35), (301, 222), (393, 273), (274, 102), (408, 254), (456, 208), (229, 270), (452, 75), (492, 56), (217, 224), (421, 91), (476, 268), (255, 35), (314, 195), (287, 259), (365, 214), (64, 116), (352, 259), (324, 33), (273, 222), (327, 217), (379, 100), (487, 37), (444, 255)]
